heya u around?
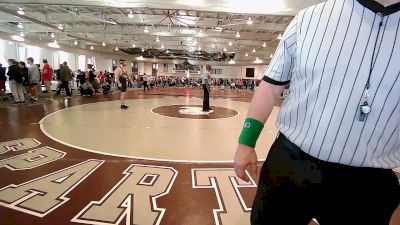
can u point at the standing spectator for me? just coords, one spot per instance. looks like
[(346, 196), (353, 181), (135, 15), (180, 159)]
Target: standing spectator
[(206, 79), (47, 77), (145, 82), (3, 80), (65, 77), (15, 79), (39, 84), (101, 77), (34, 76), (58, 73), (23, 74), (91, 75), (80, 78)]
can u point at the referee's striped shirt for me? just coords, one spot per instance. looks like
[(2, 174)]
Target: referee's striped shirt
[(326, 54)]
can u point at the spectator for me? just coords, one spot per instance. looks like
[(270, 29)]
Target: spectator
[(3, 80), (47, 77), (15, 79), (34, 76), (87, 89), (65, 77)]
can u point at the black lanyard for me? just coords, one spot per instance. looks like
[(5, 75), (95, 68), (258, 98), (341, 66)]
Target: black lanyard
[(365, 108)]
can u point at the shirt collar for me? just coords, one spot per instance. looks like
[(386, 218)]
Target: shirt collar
[(378, 8)]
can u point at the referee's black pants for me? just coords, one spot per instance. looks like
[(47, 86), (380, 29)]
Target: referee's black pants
[(206, 98), (295, 187)]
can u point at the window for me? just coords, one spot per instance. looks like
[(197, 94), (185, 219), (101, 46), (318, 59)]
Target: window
[(216, 71), (154, 70), (135, 69), (34, 52), (165, 68), (91, 63), (63, 57), (21, 54), (249, 72), (114, 64), (81, 62)]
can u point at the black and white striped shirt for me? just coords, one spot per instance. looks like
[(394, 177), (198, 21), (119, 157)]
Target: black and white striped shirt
[(326, 54)]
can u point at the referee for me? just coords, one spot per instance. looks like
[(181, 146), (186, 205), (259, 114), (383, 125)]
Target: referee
[(339, 128)]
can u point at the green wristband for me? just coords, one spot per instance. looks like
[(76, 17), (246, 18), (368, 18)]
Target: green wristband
[(251, 131)]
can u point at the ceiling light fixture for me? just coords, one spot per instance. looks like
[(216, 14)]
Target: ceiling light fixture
[(231, 61), (199, 48), (17, 38), (237, 34), (279, 37), (130, 15), (254, 50), (75, 42), (195, 42), (140, 58), (133, 45), (20, 26), (116, 48), (247, 54), (53, 44), (264, 45), (91, 47), (20, 11), (157, 40), (103, 44), (162, 46), (52, 35), (271, 56), (167, 51), (225, 49), (230, 43), (146, 30), (258, 61), (249, 21), (142, 49), (60, 27), (22, 34)]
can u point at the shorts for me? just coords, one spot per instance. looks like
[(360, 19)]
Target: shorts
[(2, 85), (122, 80)]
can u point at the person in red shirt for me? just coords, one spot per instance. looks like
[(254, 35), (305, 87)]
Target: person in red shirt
[(102, 77), (47, 77)]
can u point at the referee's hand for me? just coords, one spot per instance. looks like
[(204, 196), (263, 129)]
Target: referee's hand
[(245, 157)]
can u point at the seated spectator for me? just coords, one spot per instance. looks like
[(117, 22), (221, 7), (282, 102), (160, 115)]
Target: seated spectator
[(96, 85), (87, 89), (107, 89)]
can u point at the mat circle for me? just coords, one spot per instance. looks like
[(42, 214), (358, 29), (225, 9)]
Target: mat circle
[(194, 112)]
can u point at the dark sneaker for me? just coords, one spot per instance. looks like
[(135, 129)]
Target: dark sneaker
[(16, 103), (124, 107)]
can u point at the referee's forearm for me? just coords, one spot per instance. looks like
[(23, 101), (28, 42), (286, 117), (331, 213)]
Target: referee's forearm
[(263, 101)]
